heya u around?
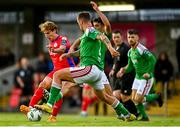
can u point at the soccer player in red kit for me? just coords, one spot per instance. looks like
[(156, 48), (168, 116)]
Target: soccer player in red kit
[(58, 45)]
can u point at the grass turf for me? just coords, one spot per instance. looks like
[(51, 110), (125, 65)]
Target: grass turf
[(17, 119)]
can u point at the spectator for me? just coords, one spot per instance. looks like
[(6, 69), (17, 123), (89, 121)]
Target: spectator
[(23, 79), (42, 64), (42, 69), (163, 69)]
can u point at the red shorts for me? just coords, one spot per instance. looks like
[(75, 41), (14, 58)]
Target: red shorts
[(50, 75)]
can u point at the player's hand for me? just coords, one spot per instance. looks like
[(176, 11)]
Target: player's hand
[(120, 72), (111, 73), (71, 49), (146, 75), (94, 5), (64, 55), (113, 52)]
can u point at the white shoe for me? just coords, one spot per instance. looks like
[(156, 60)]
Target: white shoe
[(84, 114)]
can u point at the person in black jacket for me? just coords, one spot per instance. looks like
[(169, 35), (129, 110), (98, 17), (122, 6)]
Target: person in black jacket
[(23, 79), (163, 69), (122, 86)]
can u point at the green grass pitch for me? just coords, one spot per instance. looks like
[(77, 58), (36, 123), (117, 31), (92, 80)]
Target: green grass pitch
[(17, 119)]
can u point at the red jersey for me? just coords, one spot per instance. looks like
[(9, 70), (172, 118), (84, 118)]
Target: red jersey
[(55, 57)]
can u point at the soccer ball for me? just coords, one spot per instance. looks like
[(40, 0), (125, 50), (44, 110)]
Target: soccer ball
[(34, 115)]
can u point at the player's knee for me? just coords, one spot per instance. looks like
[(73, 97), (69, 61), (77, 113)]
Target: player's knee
[(117, 95), (125, 98), (108, 99), (103, 98), (44, 85), (56, 75)]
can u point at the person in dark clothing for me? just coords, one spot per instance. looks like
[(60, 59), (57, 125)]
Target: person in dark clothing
[(42, 64), (163, 69), (41, 68), (23, 79), (122, 86)]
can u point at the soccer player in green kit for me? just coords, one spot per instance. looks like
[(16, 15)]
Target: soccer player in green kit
[(143, 61), (90, 70), (103, 25)]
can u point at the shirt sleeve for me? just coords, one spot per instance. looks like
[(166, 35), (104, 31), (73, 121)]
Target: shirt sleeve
[(151, 60), (92, 33)]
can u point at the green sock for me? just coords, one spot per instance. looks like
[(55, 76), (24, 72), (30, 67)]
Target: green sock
[(141, 110), (151, 97), (54, 93), (120, 109), (59, 96)]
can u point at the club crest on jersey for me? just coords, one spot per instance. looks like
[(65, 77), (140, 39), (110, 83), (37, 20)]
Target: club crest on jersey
[(55, 44), (64, 39)]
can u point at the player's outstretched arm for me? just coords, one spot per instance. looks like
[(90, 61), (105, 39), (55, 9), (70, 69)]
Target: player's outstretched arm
[(107, 42), (103, 18), (61, 49), (70, 54), (74, 45)]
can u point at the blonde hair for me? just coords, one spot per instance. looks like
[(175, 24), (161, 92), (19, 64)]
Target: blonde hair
[(48, 25)]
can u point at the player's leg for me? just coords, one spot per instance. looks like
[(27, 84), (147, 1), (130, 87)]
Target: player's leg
[(63, 74), (153, 96), (57, 106), (117, 93), (129, 104), (140, 107), (126, 90), (38, 95), (56, 109), (88, 97), (143, 89), (108, 90), (116, 88), (118, 107), (110, 99)]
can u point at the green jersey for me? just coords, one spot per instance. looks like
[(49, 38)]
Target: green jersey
[(90, 49), (142, 60)]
